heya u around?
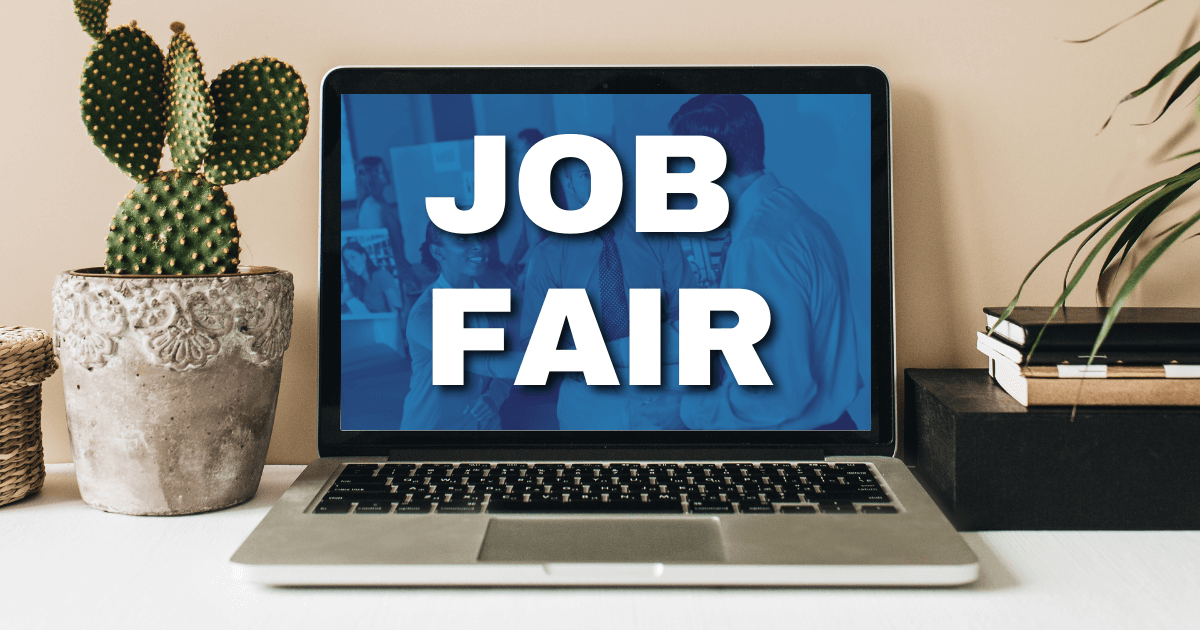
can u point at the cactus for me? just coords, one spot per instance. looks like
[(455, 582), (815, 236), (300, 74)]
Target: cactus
[(247, 122), (262, 114), (191, 110), (122, 97), (176, 223), (93, 16)]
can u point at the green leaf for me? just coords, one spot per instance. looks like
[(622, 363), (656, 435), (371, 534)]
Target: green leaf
[(1186, 83), (1147, 213), (1163, 73), (1188, 176), (1083, 267), (1083, 41), (1114, 209), (1082, 244), (1136, 276), (1163, 233), (1183, 155)]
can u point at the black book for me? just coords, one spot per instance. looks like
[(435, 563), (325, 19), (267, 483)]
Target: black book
[(1074, 328), (999, 348)]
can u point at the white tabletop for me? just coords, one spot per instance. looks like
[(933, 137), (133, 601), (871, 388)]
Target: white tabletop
[(65, 565)]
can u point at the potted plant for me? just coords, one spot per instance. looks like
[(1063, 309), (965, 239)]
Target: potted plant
[(171, 351), (1124, 225)]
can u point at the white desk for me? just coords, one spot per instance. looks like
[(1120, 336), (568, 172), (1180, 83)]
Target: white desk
[(65, 565)]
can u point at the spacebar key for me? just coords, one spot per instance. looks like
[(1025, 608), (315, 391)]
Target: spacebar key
[(589, 507)]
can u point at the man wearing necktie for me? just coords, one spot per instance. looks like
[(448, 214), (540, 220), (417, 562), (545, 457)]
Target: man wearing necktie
[(606, 263)]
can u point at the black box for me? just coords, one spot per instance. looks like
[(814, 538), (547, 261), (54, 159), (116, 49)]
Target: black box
[(993, 464)]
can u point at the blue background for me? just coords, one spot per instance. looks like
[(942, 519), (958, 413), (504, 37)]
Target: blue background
[(817, 145)]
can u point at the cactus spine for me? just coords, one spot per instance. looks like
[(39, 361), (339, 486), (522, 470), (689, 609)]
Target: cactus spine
[(133, 101)]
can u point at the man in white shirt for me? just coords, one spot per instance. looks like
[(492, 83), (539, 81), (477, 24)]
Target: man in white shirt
[(788, 254)]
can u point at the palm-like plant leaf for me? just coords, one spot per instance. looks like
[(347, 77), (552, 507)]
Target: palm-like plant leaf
[(1083, 243), (1170, 189), (1097, 35), (1186, 83), (1136, 276), (1138, 226), (1186, 154), (1132, 225), (1110, 211), (1163, 73)]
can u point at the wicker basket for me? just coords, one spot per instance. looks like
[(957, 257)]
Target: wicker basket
[(26, 359)]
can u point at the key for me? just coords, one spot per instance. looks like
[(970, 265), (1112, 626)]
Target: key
[(359, 488), (332, 507), (460, 506), (710, 507), (589, 507), (847, 497), (360, 497), (755, 506), (463, 495), (397, 470), (374, 507)]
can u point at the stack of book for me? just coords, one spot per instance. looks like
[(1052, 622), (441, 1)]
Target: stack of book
[(1150, 357)]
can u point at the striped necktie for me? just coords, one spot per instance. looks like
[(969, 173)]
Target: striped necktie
[(614, 301)]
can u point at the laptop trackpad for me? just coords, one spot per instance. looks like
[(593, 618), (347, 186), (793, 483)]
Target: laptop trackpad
[(601, 540)]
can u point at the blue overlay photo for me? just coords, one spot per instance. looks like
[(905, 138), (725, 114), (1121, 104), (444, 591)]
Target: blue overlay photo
[(797, 179)]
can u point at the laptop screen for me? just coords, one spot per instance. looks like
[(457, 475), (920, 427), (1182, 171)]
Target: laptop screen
[(567, 261)]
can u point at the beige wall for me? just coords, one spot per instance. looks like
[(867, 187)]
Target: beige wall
[(995, 121)]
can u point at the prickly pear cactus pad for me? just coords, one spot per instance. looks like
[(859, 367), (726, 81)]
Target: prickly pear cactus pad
[(261, 116), (93, 17), (174, 224), (190, 122), (123, 100)]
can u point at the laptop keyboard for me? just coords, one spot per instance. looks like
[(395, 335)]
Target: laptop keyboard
[(606, 489)]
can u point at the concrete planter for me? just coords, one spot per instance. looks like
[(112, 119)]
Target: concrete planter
[(171, 384)]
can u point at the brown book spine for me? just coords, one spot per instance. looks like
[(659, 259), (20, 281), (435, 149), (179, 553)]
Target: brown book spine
[(1110, 371), (1122, 392)]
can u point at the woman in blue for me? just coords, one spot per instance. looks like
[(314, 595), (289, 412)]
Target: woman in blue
[(462, 262)]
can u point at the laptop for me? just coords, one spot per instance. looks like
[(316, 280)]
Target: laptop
[(607, 326)]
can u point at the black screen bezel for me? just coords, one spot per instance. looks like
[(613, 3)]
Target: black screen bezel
[(878, 440)]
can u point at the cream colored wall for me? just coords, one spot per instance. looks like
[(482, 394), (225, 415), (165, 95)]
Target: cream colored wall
[(995, 144)]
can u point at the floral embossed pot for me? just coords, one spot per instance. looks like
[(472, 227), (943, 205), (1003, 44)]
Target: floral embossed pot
[(171, 384)]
